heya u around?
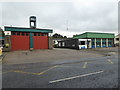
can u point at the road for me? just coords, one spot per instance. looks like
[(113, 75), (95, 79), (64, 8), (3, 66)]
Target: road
[(95, 72)]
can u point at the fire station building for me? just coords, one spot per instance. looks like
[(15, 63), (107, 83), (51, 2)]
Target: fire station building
[(28, 38)]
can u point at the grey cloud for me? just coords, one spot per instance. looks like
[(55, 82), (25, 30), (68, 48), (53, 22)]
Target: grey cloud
[(100, 16)]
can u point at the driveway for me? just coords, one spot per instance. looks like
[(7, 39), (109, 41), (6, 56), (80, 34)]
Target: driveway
[(95, 68), (22, 57)]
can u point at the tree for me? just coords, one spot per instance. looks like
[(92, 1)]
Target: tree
[(65, 36), (56, 35), (74, 35)]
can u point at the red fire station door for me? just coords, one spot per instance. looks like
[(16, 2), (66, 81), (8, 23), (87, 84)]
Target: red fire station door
[(20, 41), (40, 42)]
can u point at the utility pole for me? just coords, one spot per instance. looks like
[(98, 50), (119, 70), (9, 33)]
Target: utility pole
[(67, 24)]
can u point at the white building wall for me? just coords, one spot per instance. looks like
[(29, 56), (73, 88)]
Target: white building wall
[(117, 41), (7, 32)]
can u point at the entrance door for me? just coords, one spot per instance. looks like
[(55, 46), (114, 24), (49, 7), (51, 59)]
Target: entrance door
[(40, 40), (20, 41)]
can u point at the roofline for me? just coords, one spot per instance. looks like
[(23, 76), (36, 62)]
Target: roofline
[(99, 32), (86, 35), (93, 32), (29, 29)]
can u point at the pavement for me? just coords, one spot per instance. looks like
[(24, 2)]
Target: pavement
[(95, 68), (36, 56), (2, 56)]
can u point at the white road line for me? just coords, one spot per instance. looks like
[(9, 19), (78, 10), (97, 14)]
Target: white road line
[(75, 77), (110, 61), (85, 65)]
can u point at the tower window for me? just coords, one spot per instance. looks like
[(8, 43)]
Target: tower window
[(32, 24)]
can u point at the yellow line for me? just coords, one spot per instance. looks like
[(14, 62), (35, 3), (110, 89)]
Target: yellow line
[(85, 65), (46, 70), (19, 71), (110, 61), (5, 72)]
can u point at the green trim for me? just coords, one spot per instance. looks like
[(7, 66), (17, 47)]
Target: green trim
[(2, 37), (94, 35), (31, 40), (28, 29)]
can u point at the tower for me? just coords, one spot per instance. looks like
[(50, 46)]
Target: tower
[(32, 22)]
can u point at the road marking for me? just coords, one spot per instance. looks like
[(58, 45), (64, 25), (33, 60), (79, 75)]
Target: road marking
[(19, 71), (46, 70), (5, 72), (63, 66), (64, 79), (85, 65), (110, 61)]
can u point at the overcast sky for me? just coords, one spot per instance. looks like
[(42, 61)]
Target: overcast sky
[(67, 17)]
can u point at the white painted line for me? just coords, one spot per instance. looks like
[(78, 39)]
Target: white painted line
[(75, 77), (85, 65), (110, 61)]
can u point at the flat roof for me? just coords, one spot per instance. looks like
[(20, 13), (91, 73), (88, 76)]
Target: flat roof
[(88, 35), (22, 29)]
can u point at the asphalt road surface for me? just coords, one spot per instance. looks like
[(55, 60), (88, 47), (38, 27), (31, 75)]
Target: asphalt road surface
[(99, 72)]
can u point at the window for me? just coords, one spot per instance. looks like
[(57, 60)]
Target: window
[(45, 34), (93, 43), (27, 34), (109, 44), (117, 39), (59, 44), (98, 44), (18, 33), (110, 40), (63, 44), (103, 44), (22, 33), (35, 34), (13, 33), (82, 42), (42, 34), (38, 34)]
